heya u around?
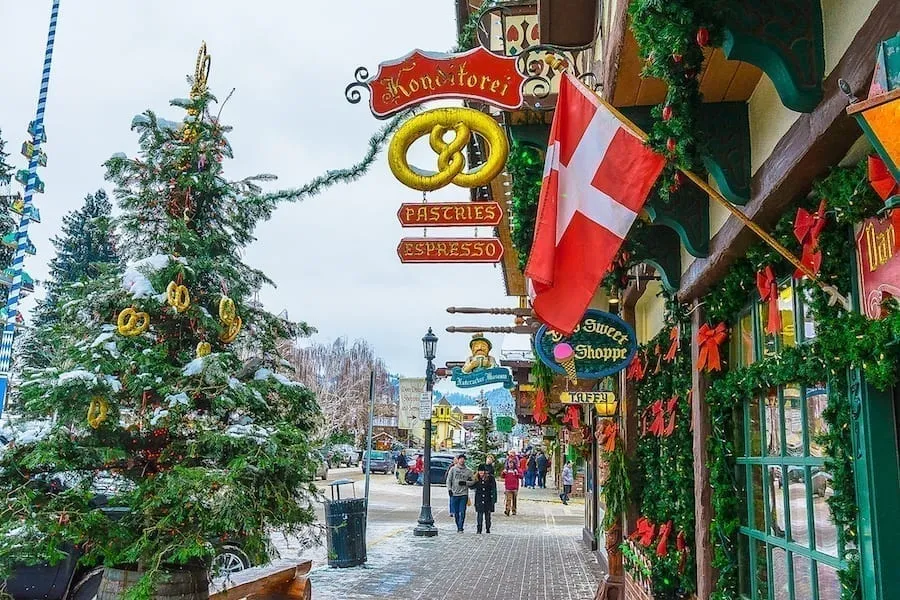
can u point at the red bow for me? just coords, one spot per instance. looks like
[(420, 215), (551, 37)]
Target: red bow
[(644, 532), (664, 532), (606, 434), (670, 408), (658, 424), (674, 336), (540, 408), (880, 178), (573, 416), (884, 184), (682, 547), (807, 228), (636, 369), (768, 292), (708, 340)]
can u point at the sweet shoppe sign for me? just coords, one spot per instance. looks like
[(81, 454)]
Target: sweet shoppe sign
[(600, 345)]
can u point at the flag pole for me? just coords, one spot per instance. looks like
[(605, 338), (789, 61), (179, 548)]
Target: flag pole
[(718, 197)]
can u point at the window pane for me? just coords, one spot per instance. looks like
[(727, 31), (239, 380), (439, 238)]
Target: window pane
[(793, 421), (762, 570), (809, 325), (816, 402), (746, 339), (768, 340), (758, 503), (802, 579), (797, 490), (777, 491), (773, 424), (780, 574), (826, 531), (788, 335), (744, 566), (829, 586), (754, 432)]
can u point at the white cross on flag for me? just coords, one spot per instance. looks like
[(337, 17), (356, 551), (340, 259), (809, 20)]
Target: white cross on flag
[(597, 176)]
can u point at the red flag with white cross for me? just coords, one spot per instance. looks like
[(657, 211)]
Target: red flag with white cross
[(597, 176)]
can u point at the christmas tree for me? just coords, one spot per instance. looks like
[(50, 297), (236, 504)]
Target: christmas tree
[(156, 390), (7, 221), (484, 444)]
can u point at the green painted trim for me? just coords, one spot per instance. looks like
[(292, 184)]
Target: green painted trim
[(687, 214), (662, 250), (751, 47), (723, 182), (815, 555)]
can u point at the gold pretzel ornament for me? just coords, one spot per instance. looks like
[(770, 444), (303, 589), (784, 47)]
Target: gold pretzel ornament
[(232, 331), (97, 411), (178, 296), (203, 349), (132, 322), (451, 160), (227, 310)]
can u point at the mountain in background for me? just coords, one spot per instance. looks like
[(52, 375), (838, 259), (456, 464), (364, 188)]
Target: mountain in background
[(500, 400)]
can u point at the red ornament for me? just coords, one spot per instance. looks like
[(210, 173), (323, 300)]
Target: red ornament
[(670, 145), (667, 112), (702, 37), (679, 178), (677, 58)]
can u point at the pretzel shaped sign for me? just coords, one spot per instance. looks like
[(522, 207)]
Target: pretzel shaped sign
[(178, 296), (451, 161), (97, 411), (132, 322)]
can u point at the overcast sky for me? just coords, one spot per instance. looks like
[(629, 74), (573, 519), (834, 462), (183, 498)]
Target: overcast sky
[(333, 257)]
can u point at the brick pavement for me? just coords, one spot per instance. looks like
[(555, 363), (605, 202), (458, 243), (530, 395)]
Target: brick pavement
[(537, 555)]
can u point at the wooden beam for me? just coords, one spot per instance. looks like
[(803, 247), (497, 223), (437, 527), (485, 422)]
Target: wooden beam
[(614, 41), (813, 144), (281, 582)]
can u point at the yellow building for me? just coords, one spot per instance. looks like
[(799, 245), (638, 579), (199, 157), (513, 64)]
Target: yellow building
[(446, 425)]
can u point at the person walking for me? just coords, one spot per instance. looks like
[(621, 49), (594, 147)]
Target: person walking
[(567, 480), (542, 465), (485, 487), (511, 476), (419, 469), (531, 472), (489, 462), (523, 468), (402, 467), (511, 461), (458, 478)]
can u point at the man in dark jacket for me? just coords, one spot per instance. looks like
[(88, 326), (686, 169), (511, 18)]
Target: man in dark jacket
[(485, 487), (402, 467), (531, 473), (543, 465)]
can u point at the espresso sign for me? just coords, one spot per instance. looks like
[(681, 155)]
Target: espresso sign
[(600, 345), (878, 264), (419, 76), (450, 214), (450, 250)]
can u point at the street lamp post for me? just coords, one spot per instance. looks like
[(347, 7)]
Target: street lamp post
[(425, 526)]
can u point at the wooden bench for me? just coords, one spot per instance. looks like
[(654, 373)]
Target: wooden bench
[(276, 582)]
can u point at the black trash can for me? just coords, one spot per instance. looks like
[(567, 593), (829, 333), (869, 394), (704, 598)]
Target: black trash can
[(345, 521)]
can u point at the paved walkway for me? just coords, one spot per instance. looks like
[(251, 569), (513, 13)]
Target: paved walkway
[(536, 555)]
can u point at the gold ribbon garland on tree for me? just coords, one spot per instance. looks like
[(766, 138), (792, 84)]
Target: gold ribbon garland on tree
[(131, 322)]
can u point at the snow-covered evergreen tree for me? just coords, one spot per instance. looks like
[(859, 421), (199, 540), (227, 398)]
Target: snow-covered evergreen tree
[(147, 387), (7, 218)]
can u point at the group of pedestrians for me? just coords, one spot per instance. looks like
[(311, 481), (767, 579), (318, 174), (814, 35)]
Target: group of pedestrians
[(534, 466), (461, 479), (410, 472)]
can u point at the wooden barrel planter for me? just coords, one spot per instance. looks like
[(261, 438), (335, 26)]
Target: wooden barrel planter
[(186, 584)]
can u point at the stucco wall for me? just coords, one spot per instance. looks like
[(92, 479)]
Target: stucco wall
[(841, 20), (649, 312)]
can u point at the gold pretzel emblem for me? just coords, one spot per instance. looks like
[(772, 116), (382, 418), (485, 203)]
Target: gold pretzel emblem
[(227, 310), (203, 349), (451, 161), (132, 322), (97, 411), (178, 296), (201, 72), (231, 331)]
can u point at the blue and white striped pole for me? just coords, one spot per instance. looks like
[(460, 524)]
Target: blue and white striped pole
[(22, 242)]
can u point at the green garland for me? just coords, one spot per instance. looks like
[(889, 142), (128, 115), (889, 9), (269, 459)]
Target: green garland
[(664, 479), (526, 166), (669, 35), (616, 491), (845, 340)]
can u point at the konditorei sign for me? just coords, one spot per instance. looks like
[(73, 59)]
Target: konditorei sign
[(420, 76), (450, 250), (878, 264), (450, 214), (600, 345)]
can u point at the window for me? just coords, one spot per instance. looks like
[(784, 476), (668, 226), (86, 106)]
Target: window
[(789, 546)]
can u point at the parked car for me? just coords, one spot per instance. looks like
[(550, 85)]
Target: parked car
[(344, 454), (381, 460), (440, 464)]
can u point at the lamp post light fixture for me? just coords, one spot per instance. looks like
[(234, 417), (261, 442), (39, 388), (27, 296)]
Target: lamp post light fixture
[(425, 526)]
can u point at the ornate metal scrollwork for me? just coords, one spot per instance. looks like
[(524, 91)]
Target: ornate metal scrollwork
[(353, 95)]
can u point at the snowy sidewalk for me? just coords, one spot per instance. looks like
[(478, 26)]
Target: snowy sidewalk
[(536, 555)]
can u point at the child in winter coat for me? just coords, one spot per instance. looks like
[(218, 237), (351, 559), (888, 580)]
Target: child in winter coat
[(485, 487)]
